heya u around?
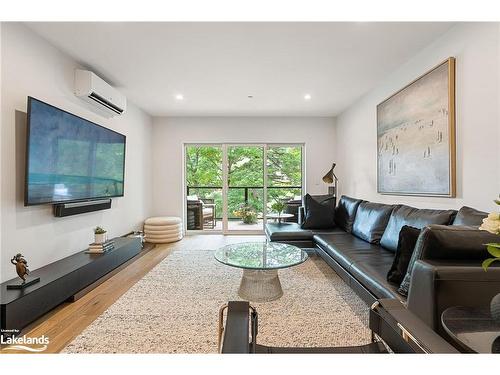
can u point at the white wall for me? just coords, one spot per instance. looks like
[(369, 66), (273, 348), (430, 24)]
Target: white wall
[(169, 135), (1, 127), (476, 48), (31, 66)]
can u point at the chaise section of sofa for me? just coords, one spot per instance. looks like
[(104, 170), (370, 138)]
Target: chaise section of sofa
[(293, 234)]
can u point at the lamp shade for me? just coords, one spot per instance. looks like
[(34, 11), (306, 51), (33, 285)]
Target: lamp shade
[(330, 176)]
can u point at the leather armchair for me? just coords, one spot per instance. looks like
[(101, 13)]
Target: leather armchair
[(398, 327)]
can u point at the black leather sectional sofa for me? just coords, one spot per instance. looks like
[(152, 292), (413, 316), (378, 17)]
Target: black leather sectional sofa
[(361, 249)]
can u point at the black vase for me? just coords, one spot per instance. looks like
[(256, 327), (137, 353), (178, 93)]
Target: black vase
[(495, 307)]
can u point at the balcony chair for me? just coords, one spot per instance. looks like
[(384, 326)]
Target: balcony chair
[(200, 213)]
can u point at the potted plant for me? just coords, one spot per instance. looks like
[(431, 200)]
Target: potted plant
[(492, 225), (100, 235), (246, 213), (278, 206)]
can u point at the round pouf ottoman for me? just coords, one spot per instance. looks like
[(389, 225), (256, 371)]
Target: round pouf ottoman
[(163, 229)]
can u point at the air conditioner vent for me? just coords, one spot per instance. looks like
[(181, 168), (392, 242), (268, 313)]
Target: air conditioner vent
[(99, 99), (105, 99)]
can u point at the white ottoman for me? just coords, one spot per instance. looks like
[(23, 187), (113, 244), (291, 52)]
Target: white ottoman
[(162, 229)]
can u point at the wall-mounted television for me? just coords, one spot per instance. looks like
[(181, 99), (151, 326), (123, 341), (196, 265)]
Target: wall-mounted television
[(70, 159)]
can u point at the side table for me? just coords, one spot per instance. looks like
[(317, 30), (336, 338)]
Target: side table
[(279, 217), (472, 329)]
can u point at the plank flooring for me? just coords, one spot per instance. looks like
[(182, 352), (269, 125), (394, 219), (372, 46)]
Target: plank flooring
[(68, 320)]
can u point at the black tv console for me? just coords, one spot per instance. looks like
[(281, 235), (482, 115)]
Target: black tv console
[(60, 281)]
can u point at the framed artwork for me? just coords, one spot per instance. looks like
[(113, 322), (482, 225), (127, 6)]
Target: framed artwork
[(416, 136)]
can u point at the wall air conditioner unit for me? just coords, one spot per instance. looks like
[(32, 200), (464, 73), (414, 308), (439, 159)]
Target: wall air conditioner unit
[(105, 99)]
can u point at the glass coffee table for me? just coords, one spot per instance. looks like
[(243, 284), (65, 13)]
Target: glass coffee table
[(260, 263)]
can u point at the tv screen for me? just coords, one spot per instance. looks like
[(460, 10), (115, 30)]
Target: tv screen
[(70, 159)]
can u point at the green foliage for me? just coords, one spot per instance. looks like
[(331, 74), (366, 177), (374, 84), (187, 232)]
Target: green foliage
[(494, 250), (245, 166), (284, 166), (204, 166), (99, 230), (278, 206), (245, 169)]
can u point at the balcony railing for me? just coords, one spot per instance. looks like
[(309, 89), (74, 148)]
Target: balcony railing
[(246, 193)]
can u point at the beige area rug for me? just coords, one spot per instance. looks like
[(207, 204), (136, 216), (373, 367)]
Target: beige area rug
[(174, 309)]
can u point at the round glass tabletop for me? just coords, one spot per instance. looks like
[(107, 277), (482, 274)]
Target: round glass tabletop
[(472, 328), (260, 255)]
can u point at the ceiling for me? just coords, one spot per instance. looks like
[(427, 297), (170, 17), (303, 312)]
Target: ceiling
[(215, 66)]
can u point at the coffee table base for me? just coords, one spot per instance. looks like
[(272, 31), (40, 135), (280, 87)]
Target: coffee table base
[(260, 286)]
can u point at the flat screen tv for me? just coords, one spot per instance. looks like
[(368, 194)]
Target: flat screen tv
[(70, 159)]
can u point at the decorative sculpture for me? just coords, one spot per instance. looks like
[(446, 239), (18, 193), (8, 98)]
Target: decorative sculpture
[(23, 272), (21, 266)]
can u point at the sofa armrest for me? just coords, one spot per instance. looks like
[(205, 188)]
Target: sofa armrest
[(437, 285), (301, 215)]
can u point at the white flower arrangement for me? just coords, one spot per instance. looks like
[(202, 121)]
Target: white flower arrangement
[(492, 224)]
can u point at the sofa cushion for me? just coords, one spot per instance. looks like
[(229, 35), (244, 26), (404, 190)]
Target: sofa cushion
[(335, 230), (414, 217), (344, 247), (372, 275), (406, 244), (319, 214), (454, 242), (469, 216), (287, 232), (371, 220), (404, 287), (368, 263), (346, 212)]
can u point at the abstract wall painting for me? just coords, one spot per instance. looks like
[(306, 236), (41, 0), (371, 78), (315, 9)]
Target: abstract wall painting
[(416, 136)]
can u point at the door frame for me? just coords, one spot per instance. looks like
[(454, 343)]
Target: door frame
[(224, 145)]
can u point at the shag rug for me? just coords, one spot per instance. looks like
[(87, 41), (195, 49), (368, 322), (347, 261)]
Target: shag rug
[(174, 309)]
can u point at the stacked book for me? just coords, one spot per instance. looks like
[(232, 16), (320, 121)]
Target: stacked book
[(98, 248)]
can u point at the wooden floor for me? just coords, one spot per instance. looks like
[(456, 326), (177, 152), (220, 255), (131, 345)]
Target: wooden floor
[(68, 320)]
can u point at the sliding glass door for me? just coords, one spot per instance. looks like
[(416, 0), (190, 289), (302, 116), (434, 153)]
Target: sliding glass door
[(244, 188), (203, 181), (236, 188), (284, 179)]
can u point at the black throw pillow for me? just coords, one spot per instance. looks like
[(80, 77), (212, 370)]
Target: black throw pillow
[(404, 288), (407, 240), (319, 215)]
